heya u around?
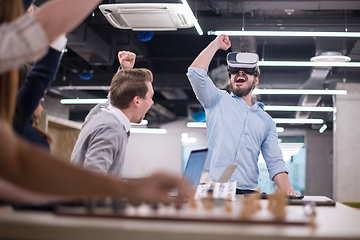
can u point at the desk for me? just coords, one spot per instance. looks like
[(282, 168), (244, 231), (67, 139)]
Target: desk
[(340, 222)]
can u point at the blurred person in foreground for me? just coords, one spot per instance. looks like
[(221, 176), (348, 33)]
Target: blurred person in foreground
[(30, 167)]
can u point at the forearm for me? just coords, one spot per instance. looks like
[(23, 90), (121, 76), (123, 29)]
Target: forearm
[(32, 168), (65, 179), (204, 58), (11, 193), (38, 80), (57, 17), (282, 182)]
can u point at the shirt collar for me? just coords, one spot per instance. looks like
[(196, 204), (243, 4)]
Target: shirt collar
[(120, 116), (256, 104), (259, 104)]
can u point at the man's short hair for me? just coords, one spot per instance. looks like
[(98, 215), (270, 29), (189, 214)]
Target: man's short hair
[(127, 84)]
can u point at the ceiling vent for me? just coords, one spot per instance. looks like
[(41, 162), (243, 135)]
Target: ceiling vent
[(148, 16)]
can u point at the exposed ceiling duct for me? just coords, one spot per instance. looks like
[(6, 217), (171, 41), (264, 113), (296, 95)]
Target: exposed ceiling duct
[(90, 46), (174, 94), (317, 79), (355, 52), (159, 111)]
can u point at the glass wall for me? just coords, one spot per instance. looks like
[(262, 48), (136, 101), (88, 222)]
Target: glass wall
[(294, 153)]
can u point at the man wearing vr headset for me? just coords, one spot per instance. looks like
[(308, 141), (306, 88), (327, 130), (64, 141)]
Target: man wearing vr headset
[(237, 127)]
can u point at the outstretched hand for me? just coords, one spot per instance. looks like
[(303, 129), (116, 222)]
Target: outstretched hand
[(126, 59), (156, 189), (223, 42), (291, 192)]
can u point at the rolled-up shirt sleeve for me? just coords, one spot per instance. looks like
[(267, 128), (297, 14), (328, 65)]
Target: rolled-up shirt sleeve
[(22, 40), (204, 89)]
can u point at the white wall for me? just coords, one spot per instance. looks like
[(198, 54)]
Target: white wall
[(149, 153), (347, 144)]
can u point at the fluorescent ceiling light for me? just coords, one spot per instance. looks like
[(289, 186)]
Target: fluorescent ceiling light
[(299, 91), (298, 121), (196, 124), (148, 130), (307, 64), (186, 139), (196, 24), (255, 91), (142, 123), (277, 120), (291, 145), (298, 108), (285, 33), (280, 129), (323, 128), (184, 135), (83, 101), (104, 88)]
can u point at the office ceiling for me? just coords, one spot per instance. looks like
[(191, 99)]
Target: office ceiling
[(169, 53)]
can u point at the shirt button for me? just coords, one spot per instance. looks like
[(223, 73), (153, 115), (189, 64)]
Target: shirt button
[(239, 149), (243, 135)]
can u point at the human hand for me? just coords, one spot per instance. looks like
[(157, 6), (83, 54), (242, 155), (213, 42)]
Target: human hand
[(156, 189), (291, 192), (223, 42), (126, 59)]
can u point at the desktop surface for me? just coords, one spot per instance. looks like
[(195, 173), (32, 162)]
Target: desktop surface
[(338, 222)]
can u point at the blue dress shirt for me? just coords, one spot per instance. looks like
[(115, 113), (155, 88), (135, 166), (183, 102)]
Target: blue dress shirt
[(236, 133)]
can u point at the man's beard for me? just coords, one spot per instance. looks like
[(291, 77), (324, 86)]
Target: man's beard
[(241, 92)]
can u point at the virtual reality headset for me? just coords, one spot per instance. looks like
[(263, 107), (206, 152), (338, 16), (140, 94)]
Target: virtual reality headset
[(247, 62)]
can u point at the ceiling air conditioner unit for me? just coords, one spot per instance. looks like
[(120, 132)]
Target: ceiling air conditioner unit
[(148, 16)]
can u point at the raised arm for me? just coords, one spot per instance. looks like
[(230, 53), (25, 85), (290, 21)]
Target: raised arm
[(33, 89), (27, 37), (204, 89), (126, 59), (204, 58), (59, 16)]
